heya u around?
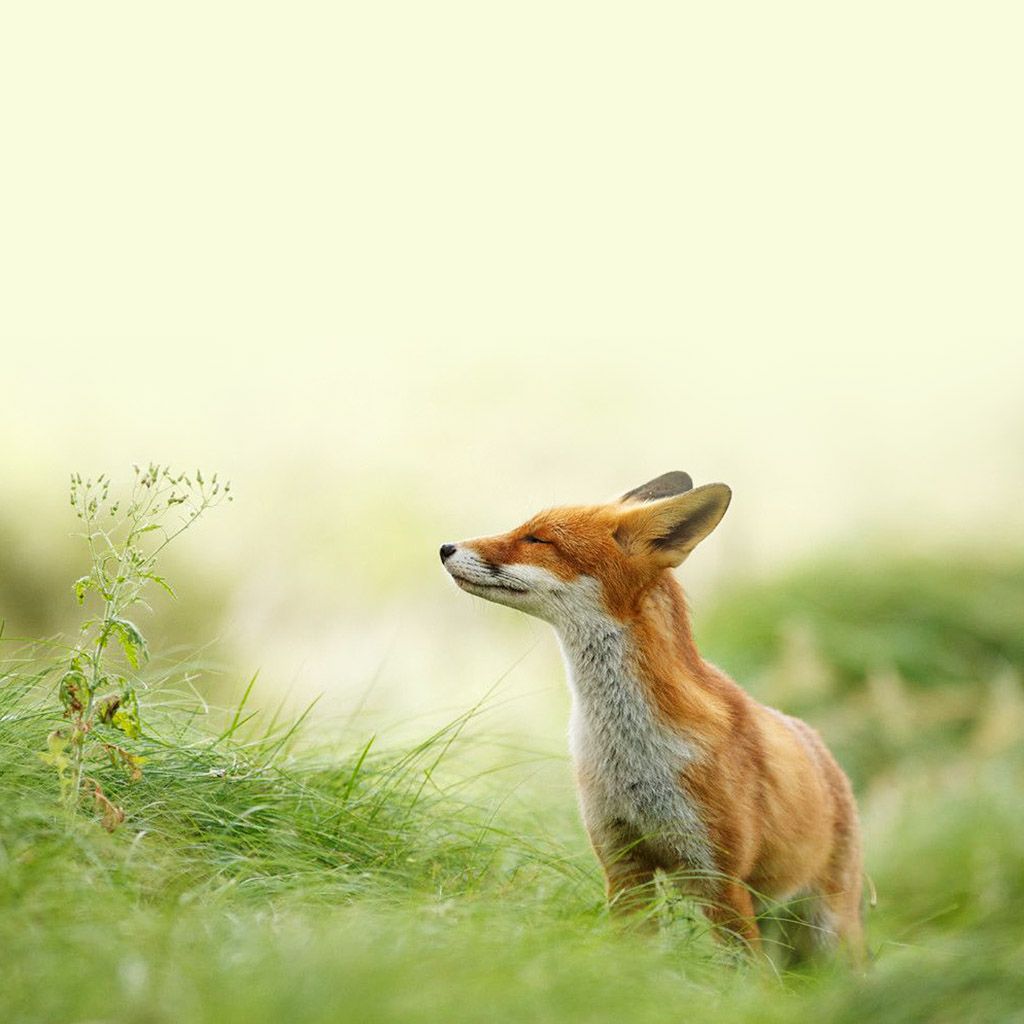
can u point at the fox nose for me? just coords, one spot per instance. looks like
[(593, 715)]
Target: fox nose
[(447, 550)]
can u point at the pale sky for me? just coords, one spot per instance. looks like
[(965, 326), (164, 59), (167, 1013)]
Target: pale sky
[(439, 264)]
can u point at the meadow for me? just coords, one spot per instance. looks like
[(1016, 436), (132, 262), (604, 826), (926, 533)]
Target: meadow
[(265, 870)]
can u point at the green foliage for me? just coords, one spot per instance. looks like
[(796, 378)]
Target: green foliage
[(250, 884), (935, 621), (98, 695)]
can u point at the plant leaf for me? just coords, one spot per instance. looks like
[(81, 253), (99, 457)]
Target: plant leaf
[(125, 714), (131, 639), (160, 581), (74, 690)]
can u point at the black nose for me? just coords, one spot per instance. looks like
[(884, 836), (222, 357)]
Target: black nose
[(447, 550)]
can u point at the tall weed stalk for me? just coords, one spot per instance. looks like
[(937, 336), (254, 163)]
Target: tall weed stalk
[(99, 682)]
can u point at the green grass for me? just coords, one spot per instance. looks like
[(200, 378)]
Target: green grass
[(936, 621), (254, 880)]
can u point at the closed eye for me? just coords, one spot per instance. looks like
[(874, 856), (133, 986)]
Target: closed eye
[(532, 538)]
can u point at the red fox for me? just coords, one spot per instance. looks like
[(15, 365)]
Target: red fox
[(678, 769)]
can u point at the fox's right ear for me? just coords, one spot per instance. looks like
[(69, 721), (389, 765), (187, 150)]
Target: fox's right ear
[(668, 485), (668, 529)]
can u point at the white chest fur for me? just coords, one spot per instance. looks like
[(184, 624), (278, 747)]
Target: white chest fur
[(631, 760)]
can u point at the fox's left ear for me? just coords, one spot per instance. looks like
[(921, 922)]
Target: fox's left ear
[(665, 486), (668, 529)]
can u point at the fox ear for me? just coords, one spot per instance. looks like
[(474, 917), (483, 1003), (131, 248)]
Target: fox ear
[(668, 529), (668, 485)]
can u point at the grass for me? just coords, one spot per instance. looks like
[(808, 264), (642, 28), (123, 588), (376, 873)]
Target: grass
[(257, 880)]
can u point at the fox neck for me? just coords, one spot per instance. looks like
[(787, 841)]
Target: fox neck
[(649, 656), (635, 725)]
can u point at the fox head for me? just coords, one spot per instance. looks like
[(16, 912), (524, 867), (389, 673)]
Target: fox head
[(579, 561)]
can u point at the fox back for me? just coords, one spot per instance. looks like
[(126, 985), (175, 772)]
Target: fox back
[(678, 769)]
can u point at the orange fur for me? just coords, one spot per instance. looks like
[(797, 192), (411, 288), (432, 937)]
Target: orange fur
[(778, 811)]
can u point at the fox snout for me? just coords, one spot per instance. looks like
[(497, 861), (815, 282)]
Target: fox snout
[(447, 550)]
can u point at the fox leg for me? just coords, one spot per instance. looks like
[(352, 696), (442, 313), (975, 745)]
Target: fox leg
[(731, 911), (839, 901), (839, 925), (629, 886), (628, 870)]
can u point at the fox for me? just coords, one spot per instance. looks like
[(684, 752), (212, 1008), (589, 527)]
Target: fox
[(679, 771)]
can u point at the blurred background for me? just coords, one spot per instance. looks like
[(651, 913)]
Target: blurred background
[(407, 273)]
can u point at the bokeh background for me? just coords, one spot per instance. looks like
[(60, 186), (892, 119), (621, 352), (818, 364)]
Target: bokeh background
[(406, 273)]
